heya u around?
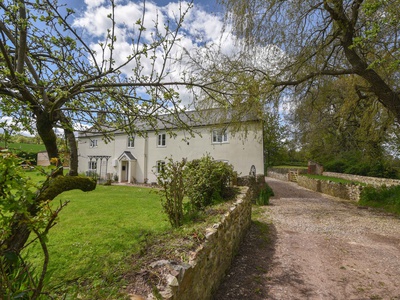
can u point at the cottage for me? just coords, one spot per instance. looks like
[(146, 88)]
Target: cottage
[(139, 158)]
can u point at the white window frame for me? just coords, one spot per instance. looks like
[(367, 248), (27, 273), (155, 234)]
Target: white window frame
[(131, 141), (92, 165), (219, 136), (162, 140), (160, 166), (93, 143)]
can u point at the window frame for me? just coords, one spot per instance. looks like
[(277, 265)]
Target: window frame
[(160, 166), (219, 136), (93, 143), (92, 163), (131, 141), (162, 137)]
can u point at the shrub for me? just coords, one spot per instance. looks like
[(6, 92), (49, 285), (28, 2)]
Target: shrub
[(265, 192), (170, 179), (206, 180), (383, 197)]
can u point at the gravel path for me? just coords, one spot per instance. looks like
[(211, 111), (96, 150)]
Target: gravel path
[(306, 245)]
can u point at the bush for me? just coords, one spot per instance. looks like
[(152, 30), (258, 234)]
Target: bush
[(206, 181), (170, 179), (384, 197), (353, 165), (265, 192), (28, 157)]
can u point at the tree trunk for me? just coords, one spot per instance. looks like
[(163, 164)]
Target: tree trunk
[(73, 151), (54, 186), (51, 189), (44, 126)]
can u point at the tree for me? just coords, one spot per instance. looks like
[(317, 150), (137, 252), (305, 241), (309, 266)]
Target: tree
[(326, 38), (51, 74), (341, 131), (55, 76), (274, 138), (8, 130), (18, 279)]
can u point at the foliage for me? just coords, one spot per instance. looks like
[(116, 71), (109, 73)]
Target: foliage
[(54, 75), (17, 195), (274, 139), (264, 194), (324, 39), (384, 197), (206, 180), (355, 163), (342, 132), (171, 181), (27, 157)]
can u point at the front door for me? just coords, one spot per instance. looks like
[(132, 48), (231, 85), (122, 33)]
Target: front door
[(124, 171)]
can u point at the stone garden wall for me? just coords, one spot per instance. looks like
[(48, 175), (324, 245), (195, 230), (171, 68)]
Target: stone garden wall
[(374, 181), (207, 266), (283, 173), (340, 190)]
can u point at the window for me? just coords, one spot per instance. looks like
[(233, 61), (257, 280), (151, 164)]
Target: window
[(92, 165), (161, 140), (93, 143), (160, 166), (219, 136), (131, 142)]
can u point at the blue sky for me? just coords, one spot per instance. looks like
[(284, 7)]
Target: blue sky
[(203, 25)]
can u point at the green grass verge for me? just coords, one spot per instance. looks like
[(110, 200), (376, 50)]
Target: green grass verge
[(386, 198), (97, 232)]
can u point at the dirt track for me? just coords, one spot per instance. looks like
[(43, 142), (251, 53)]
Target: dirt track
[(309, 246)]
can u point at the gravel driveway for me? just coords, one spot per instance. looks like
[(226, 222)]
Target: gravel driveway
[(306, 245)]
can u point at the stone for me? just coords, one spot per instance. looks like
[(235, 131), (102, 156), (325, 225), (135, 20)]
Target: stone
[(172, 280), (159, 263)]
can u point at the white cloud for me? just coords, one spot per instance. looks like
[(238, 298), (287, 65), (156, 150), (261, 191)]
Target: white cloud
[(200, 28), (94, 3)]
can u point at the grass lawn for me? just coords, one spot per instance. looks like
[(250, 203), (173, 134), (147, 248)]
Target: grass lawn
[(95, 233), (27, 147)]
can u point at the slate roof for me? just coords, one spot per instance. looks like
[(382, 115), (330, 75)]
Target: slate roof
[(127, 154), (196, 118)]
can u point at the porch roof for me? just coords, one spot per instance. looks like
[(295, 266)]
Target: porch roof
[(127, 155)]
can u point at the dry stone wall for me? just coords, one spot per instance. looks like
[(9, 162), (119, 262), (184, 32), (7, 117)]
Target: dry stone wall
[(207, 266), (374, 181), (283, 173), (340, 190)]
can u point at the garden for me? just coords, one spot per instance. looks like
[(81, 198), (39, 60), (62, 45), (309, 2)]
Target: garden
[(102, 236)]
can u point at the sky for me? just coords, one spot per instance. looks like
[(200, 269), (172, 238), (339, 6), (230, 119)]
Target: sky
[(203, 25)]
